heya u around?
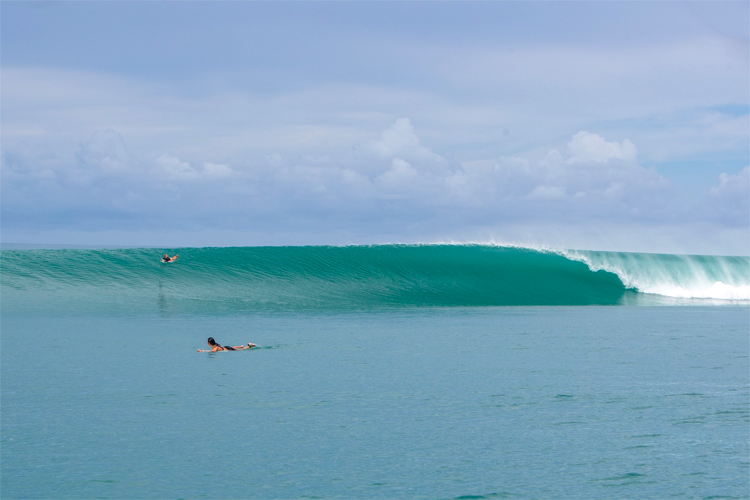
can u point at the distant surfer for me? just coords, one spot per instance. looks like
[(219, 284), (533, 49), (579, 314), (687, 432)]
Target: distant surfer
[(167, 258), (218, 347)]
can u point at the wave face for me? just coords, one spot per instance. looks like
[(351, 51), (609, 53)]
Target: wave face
[(357, 277)]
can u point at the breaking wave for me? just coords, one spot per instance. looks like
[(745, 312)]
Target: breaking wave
[(361, 277)]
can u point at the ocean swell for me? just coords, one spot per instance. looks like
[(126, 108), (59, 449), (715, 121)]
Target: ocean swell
[(358, 277)]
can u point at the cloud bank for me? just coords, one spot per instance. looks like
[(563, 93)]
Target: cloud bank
[(390, 186)]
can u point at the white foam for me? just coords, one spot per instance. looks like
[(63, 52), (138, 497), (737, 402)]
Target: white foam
[(718, 290), (679, 276)]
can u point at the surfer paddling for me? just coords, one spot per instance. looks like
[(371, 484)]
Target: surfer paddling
[(167, 258), (217, 347)]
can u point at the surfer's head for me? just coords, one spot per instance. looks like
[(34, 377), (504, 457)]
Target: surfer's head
[(211, 341)]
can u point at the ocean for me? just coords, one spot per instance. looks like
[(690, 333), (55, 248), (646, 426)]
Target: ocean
[(388, 371)]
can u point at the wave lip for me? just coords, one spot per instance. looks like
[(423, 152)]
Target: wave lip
[(679, 276)]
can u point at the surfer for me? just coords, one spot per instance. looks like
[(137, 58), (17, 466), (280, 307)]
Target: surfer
[(167, 258), (218, 347)]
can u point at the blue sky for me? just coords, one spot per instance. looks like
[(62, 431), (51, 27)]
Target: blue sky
[(601, 125)]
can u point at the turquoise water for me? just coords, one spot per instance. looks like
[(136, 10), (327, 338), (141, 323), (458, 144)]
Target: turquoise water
[(395, 388), (217, 280)]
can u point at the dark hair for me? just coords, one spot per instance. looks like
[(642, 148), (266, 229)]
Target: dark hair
[(211, 341)]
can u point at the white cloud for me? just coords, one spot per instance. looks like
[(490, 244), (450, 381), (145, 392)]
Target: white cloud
[(489, 182), (534, 93), (552, 159), (27, 161), (399, 140), (399, 176), (733, 185), (587, 147), (547, 193), (595, 172), (344, 192), (355, 179), (173, 167), (216, 169), (728, 203), (105, 151)]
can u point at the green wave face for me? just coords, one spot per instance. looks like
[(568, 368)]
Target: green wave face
[(357, 277), (298, 278)]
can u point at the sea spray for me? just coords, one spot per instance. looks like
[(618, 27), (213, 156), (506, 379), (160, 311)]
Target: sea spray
[(680, 276)]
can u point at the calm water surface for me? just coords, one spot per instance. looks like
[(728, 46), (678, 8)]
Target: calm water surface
[(509, 402)]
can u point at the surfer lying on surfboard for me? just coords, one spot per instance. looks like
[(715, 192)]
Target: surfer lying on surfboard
[(167, 258), (217, 347)]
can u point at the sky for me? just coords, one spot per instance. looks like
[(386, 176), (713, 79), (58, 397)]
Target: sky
[(593, 125)]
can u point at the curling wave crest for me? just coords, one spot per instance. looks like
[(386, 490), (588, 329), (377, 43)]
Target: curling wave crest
[(680, 276)]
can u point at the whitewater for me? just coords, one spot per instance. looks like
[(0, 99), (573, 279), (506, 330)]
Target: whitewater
[(679, 276)]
